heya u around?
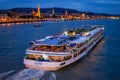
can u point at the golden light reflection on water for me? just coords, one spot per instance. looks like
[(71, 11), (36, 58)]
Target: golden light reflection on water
[(85, 67), (97, 50)]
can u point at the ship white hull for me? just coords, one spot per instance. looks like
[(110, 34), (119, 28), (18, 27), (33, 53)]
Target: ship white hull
[(53, 66)]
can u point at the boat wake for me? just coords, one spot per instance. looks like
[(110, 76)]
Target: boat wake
[(28, 74), (4, 75)]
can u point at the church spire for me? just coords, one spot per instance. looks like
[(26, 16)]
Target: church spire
[(39, 14), (66, 13), (53, 12)]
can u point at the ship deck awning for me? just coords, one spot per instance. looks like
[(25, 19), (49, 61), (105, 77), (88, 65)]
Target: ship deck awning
[(52, 42), (94, 31), (80, 40)]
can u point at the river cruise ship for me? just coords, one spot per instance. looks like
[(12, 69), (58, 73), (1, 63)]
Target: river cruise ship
[(54, 52)]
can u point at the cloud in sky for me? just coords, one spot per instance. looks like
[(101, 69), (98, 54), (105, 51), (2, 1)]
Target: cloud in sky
[(103, 6), (104, 1)]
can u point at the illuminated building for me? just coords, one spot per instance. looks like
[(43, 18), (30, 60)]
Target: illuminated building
[(83, 15), (37, 14)]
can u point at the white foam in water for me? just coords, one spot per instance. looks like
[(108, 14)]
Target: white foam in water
[(53, 76), (28, 74), (5, 74)]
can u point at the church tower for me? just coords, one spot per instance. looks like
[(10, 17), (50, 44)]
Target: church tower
[(38, 13), (66, 13), (53, 12)]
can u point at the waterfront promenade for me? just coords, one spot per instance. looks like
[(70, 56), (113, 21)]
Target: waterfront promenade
[(23, 20)]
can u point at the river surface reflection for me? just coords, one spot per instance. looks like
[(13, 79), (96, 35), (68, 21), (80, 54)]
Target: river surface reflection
[(102, 62)]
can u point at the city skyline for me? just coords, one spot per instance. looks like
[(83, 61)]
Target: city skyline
[(102, 6)]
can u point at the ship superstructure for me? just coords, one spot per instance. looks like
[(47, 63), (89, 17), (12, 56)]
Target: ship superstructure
[(55, 52)]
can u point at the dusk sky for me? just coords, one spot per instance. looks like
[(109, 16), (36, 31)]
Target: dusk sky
[(99, 6)]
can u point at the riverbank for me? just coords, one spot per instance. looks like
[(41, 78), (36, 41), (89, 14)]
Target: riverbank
[(37, 21)]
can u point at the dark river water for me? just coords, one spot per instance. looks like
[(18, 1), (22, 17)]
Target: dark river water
[(102, 62)]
